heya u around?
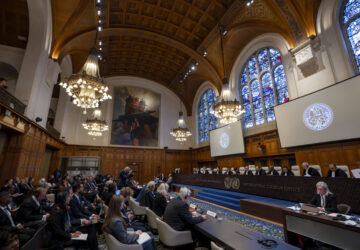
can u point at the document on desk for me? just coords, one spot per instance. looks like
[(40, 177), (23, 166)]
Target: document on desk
[(356, 172), (144, 237), (81, 237)]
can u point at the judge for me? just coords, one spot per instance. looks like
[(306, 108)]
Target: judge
[(309, 171), (324, 200), (286, 172), (272, 171), (247, 171), (335, 172), (259, 171)]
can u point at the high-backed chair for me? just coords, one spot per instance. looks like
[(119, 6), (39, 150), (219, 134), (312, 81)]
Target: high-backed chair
[(224, 170), (252, 168), (344, 168), (113, 244), (266, 169), (296, 170), (343, 208), (242, 170), (151, 218), (318, 168), (278, 169), (209, 170), (170, 237), (215, 247), (136, 208)]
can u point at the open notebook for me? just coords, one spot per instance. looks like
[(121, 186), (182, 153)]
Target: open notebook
[(143, 237)]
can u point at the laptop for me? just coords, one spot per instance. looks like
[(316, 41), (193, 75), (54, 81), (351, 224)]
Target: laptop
[(309, 208)]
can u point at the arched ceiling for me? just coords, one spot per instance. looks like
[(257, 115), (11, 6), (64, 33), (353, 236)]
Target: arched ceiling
[(160, 39)]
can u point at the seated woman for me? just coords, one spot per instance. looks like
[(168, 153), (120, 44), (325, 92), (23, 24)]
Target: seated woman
[(324, 200), (148, 196), (128, 215), (286, 172), (62, 226), (115, 225), (160, 201)]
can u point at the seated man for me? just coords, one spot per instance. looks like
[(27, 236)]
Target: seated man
[(92, 207), (259, 171), (8, 221), (30, 212), (309, 171), (335, 172), (324, 200), (272, 171), (286, 172), (247, 171), (78, 210), (177, 214)]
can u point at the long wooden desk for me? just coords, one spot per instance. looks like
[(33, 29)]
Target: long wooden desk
[(298, 189), (322, 228), (231, 235)]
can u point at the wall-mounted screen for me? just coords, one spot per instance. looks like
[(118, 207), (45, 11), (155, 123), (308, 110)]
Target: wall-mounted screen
[(330, 114), (227, 140)]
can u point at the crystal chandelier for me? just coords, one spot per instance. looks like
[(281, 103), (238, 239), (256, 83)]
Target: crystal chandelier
[(227, 109), (181, 133), (87, 88), (95, 126)]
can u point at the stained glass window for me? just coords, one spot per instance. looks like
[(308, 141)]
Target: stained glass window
[(264, 86), (206, 120), (351, 22)]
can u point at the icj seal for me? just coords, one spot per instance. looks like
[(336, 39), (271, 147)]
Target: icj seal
[(318, 116)]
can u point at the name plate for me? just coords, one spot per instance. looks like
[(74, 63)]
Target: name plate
[(193, 206), (211, 213)]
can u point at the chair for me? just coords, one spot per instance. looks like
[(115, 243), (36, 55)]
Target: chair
[(105, 208), (170, 237), (151, 217), (242, 170), (343, 208), (278, 169), (344, 168), (224, 170), (215, 247), (209, 170), (318, 168), (136, 208), (113, 244), (296, 170), (266, 169), (252, 168)]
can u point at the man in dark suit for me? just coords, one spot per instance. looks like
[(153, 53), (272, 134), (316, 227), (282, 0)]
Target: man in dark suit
[(324, 200), (272, 171), (30, 212), (247, 171), (309, 171), (286, 172), (259, 171), (177, 214), (123, 177), (8, 221), (336, 172), (78, 209)]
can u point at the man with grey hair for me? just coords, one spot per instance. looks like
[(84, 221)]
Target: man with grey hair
[(324, 200), (177, 213), (309, 171), (123, 177)]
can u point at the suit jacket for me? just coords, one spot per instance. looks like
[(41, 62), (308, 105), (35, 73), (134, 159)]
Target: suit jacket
[(4, 219), (58, 219), (338, 173), (122, 179), (289, 173), (30, 211), (117, 229), (146, 199), (260, 172), (159, 204), (312, 172), (274, 172), (24, 188), (249, 172), (178, 216), (78, 210), (330, 202)]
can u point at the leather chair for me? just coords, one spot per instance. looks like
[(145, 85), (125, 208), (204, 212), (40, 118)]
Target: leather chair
[(242, 170), (105, 208), (318, 168), (252, 168), (278, 169), (151, 218), (113, 244), (215, 247), (343, 208), (136, 208), (266, 169), (296, 170), (170, 237), (209, 170), (224, 170), (344, 168)]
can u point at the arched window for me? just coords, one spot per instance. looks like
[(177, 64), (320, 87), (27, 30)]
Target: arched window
[(351, 28), (206, 120), (263, 86)]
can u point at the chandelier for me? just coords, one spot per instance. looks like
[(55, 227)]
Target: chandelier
[(87, 88), (95, 126), (181, 133), (227, 109)]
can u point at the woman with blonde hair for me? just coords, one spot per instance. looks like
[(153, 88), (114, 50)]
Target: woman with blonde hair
[(148, 196), (115, 225), (160, 200)]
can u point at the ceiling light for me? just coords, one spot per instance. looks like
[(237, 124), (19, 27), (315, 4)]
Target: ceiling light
[(99, 12), (181, 133), (193, 67), (99, 28)]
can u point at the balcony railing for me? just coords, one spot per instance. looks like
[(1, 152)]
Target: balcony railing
[(11, 101), (52, 131)]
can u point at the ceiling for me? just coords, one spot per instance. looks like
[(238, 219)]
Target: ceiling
[(160, 39)]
